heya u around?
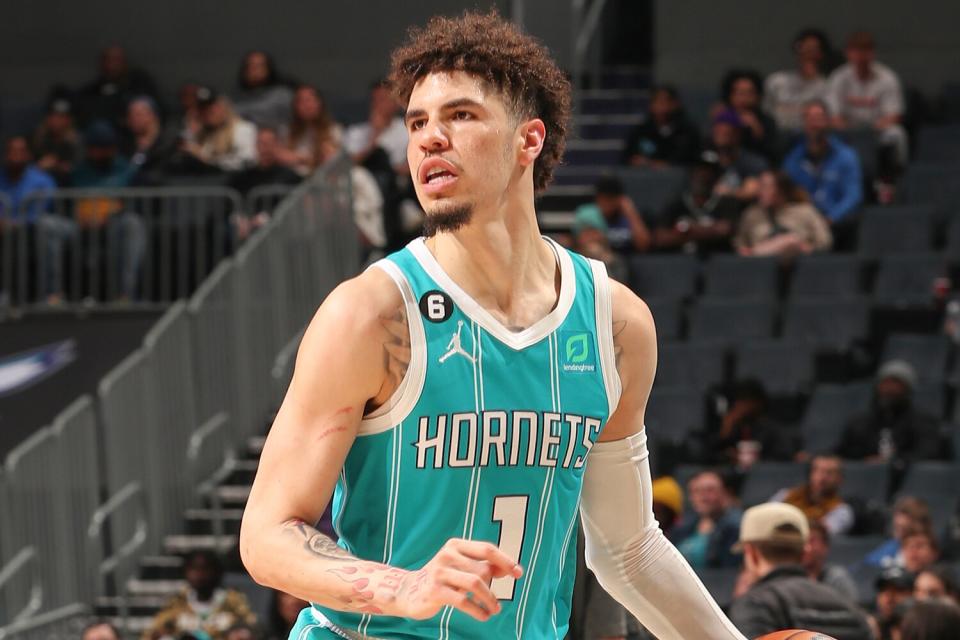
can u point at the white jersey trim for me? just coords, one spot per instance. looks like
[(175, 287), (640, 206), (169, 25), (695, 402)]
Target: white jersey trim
[(604, 309), (404, 399), (516, 340)]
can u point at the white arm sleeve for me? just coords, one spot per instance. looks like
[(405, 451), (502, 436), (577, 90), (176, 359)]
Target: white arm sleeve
[(631, 557)]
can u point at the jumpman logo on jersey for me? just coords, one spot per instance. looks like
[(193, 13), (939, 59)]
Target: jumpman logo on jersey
[(454, 347)]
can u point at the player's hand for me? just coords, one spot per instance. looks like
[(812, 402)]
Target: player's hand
[(459, 576)]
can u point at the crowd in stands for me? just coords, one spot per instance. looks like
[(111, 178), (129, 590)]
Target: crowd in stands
[(116, 131)]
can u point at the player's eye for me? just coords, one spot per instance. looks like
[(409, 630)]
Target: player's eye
[(462, 115), (416, 125)]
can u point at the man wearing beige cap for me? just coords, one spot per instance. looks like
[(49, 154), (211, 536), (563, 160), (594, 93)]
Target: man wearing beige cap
[(772, 538)]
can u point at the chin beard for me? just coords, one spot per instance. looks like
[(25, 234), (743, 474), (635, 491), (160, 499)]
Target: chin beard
[(447, 219)]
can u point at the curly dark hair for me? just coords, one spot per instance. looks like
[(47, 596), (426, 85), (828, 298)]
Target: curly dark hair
[(516, 64)]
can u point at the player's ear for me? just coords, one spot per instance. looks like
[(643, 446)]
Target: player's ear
[(532, 134)]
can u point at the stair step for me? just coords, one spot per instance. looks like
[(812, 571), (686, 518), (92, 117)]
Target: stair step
[(107, 606), (157, 588), (210, 514), (555, 220), (233, 494), (132, 625), (186, 543), (161, 567), (201, 521)]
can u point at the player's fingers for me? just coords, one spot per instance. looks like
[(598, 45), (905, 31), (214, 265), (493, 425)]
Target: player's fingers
[(459, 600), (492, 554), (470, 583), (478, 567)]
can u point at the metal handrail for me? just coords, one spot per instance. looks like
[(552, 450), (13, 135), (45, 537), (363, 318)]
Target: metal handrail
[(584, 27), (54, 616), (207, 487), (129, 492), (27, 556)]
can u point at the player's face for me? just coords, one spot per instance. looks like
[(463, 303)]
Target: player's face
[(461, 149)]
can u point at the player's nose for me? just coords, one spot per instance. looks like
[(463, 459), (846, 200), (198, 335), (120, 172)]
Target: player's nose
[(433, 137)]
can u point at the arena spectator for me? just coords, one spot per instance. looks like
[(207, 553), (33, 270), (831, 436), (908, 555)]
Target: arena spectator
[(866, 94), (742, 92), (189, 110), (56, 143), (893, 428), (666, 136), (203, 605), (705, 536), (667, 502), (937, 583), (786, 92), (828, 169), (590, 239), (284, 611), (240, 632), (100, 630), (104, 168), (746, 431), (267, 169), (931, 621), (225, 141), (819, 497), (815, 562), (312, 137), (613, 212), (262, 96), (894, 587), (20, 178), (381, 142), (920, 550), (148, 145), (106, 97), (740, 168), (908, 513), (699, 220), (782, 222), (782, 596)]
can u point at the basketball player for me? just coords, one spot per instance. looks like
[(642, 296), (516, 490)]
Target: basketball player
[(463, 397)]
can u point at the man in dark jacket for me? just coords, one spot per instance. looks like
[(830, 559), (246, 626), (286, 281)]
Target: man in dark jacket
[(666, 137), (893, 428), (773, 537)]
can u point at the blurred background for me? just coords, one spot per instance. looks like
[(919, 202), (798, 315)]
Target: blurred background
[(183, 182)]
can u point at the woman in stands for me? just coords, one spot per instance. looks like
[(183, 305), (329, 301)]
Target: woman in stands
[(782, 222), (225, 141), (312, 137), (262, 96)]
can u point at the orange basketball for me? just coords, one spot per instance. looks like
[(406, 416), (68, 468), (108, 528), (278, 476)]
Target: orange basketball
[(795, 634)]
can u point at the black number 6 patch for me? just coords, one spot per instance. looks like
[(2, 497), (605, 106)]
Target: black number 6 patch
[(436, 306)]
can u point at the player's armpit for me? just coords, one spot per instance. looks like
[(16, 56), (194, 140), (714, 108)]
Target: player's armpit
[(635, 352)]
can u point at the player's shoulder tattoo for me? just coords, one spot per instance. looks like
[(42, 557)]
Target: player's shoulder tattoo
[(396, 348)]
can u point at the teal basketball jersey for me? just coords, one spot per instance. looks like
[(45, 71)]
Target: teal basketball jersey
[(486, 438)]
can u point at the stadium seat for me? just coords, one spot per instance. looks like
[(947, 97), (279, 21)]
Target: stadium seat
[(930, 397), (907, 280), (900, 229), (736, 277), (934, 184), (826, 274), (690, 365), (828, 410), (664, 276), (731, 321), (785, 367), (849, 551), (868, 482), (720, 583), (668, 317), (936, 483), (940, 144), (953, 240), (652, 191), (766, 478), (927, 353), (674, 413), (864, 142), (832, 323)]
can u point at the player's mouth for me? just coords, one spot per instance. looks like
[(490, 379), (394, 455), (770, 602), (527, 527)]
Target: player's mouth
[(436, 174)]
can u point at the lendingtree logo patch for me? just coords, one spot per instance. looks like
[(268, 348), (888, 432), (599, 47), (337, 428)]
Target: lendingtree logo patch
[(578, 352)]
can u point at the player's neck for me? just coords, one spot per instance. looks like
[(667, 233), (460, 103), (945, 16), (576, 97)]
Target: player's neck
[(498, 257)]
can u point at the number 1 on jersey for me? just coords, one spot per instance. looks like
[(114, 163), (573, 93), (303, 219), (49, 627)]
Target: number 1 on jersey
[(511, 513)]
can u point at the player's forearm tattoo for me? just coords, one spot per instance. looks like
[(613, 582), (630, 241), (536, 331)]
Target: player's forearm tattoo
[(371, 583), (396, 347)]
